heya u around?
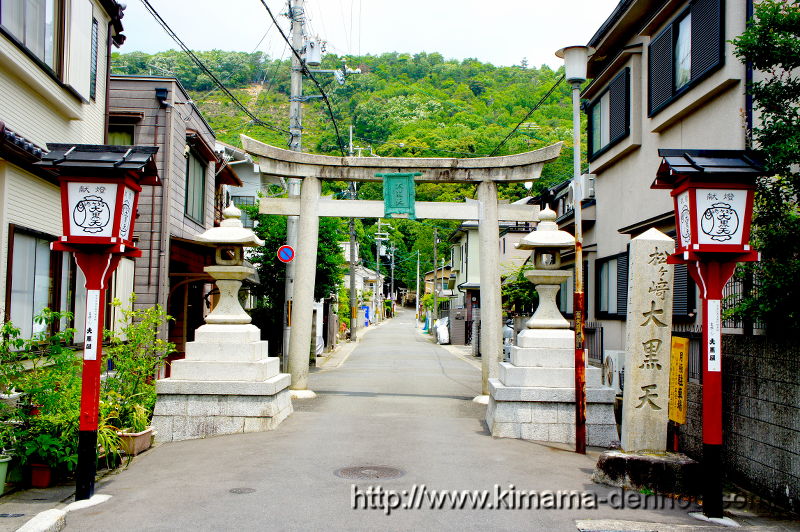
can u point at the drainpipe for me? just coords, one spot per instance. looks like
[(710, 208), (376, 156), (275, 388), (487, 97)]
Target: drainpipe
[(163, 226)]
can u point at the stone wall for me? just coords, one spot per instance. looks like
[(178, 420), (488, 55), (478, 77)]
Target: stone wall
[(761, 420)]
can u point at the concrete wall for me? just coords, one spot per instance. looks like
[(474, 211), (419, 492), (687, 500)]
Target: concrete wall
[(761, 417)]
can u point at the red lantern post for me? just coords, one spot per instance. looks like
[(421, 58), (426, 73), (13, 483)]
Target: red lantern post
[(100, 187), (712, 192)]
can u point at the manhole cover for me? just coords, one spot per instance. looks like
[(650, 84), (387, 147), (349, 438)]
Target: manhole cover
[(369, 472), (240, 491)]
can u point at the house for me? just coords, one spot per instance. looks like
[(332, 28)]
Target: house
[(465, 260), (54, 63), (157, 111), (664, 76)]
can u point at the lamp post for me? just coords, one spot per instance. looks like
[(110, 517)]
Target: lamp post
[(712, 191), (575, 64), (100, 188)]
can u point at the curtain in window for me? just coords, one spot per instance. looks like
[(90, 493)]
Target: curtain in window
[(30, 282), (683, 52)]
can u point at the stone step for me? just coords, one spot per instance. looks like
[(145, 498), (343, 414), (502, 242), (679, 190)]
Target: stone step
[(201, 370), (227, 352), (546, 377), (547, 338), (543, 357), (227, 334), (270, 386), (501, 392)]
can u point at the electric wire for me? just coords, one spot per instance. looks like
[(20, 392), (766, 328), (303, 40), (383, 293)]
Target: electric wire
[(527, 116), (310, 76), (205, 69)]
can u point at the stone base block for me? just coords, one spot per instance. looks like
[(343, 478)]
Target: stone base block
[(548, 414), (204, 370), (270, 386), (537, 377), (190, 416), (539, 357), (671, 473), (225, 351), (227, 333), (547, 338)]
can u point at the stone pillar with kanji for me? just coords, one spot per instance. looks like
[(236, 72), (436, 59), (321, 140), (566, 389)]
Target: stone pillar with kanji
[(647, 343)]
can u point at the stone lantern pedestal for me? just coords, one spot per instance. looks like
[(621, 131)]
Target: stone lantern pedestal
[(227, 383), (534, 396)]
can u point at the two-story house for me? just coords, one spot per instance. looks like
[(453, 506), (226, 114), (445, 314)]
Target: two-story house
[(157, 111), (663, 76), (54, 63)]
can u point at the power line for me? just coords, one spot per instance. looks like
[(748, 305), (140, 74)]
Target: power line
[(310, 76), (527, 116), (205, 69)]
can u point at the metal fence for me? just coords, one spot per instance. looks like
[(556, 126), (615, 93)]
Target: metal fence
[(695, 335), (732, 296), (593, 333)]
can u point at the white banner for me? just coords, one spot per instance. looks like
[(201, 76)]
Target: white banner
[(93, 334), (714, 346)]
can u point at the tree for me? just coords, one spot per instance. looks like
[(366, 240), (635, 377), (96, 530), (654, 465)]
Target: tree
[(771, 44)]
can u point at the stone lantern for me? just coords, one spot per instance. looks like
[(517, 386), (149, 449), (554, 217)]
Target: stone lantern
[(227, 383), (230, 239), (534, 396), (546, 244)]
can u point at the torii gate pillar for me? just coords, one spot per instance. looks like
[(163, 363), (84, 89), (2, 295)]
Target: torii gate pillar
[(491, 309), (305, 274)]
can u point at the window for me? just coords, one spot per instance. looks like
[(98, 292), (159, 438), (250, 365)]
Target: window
[(32, 23), (93, 62), (39, 278), (247, 200), (685, 52), (120, 134), (609, 115), (195, 188), (612, 287)]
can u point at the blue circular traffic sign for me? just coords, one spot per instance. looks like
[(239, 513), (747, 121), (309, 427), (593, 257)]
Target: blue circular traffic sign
[(286, 254)]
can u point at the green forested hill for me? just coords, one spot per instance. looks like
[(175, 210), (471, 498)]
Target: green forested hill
[(402, 105)]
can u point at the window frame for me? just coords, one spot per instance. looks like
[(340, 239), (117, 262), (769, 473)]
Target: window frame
[(95, 53), (672, 26), (193, 154), (592, 155), (245, 217), (621, 311), (61, 287), (56, 71)]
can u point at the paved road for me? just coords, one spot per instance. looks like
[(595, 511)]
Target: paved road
[(398, 401)]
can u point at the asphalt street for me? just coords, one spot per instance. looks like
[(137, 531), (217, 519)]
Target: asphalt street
[(398, 402)]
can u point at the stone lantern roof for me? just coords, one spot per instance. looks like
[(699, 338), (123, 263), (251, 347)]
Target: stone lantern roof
[(230, 231), (547, 234)]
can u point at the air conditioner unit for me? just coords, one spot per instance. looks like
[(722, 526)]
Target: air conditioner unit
[(587, 186), (613, 369)]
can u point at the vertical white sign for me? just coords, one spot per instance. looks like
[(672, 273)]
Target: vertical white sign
[(126, 218), (714, 336), (93, 334), (684, 219)]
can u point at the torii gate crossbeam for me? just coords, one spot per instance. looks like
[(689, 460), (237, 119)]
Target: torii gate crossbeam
[(486, 172)]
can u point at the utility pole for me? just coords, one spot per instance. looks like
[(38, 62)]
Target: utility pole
[(297, 16), (416, 294), (435, 274), (378, 285), (353, 304)]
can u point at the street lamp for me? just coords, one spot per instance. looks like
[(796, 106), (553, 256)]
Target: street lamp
[(712, 191), (576, 59), (100, 188)]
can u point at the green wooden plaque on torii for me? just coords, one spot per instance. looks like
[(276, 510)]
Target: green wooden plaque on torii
[(399, 195)]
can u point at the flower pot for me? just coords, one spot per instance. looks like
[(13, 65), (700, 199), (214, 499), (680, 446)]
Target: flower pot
[(41, 476), (4, 461), (133, 443)]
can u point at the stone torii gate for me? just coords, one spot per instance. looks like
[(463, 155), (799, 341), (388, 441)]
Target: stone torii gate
[(486, 172)]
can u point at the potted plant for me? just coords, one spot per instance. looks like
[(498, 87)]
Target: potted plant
[(136, 355)]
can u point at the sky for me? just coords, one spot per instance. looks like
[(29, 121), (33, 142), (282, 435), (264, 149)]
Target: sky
[(497, 32)]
